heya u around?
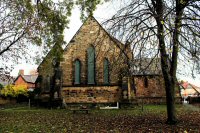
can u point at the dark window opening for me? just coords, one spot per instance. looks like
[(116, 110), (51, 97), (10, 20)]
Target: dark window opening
[(146, 84)]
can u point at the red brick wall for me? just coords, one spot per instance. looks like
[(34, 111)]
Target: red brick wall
[(155, 86), (20, 81)]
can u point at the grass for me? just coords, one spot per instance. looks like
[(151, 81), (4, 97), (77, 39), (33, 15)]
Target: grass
[(151, 119)]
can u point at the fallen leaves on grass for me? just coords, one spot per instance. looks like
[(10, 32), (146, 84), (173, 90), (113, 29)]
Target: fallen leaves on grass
[(62, 121)]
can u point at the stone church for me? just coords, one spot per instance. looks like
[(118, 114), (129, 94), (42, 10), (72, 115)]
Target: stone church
[(92, 69)]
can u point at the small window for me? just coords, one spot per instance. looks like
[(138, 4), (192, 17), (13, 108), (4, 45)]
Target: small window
[(146, 84), (106, 71), (77, 73)]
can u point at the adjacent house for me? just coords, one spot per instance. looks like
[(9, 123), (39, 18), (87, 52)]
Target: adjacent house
[(93, 69), (28, 80), (188, 89)]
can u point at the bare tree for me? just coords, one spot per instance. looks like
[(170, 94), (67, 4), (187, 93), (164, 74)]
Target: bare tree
[(161, 28)]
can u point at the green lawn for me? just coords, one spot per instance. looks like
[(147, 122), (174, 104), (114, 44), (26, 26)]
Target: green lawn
[(151, 119)]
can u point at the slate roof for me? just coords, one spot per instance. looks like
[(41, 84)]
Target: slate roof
[(28, 78), (146, 66)]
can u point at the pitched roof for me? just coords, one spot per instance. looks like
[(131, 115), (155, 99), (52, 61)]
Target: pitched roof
[(186, 85), (28, 78), (146, 66)]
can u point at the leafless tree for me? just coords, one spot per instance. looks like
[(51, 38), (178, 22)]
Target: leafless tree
[(161, 28)]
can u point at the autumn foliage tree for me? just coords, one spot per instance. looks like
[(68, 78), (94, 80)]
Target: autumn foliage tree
[(25, 23), (28, 23), (1, 86), (14, 90)]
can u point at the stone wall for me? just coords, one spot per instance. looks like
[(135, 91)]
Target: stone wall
[(155, 100), (97, 94), (150, 86), (45, 69), (91, 34)]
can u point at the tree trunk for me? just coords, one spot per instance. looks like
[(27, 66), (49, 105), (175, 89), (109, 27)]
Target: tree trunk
[(170, 93), (165, 65), (170, 99), (169, 85)]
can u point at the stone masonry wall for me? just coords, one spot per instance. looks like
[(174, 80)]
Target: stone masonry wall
[(45, 69), (101, 94), (92, 34)]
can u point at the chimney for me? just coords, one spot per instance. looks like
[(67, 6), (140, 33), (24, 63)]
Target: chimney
[(21, 72)]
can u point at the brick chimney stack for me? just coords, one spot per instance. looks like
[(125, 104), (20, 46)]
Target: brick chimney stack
[(21, 72)]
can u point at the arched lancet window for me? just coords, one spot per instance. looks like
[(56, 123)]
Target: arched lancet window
[(106, 71), (77, 72), (91, 65)]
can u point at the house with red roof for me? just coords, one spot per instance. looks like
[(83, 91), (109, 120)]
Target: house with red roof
[(28, 80), (188, 89)]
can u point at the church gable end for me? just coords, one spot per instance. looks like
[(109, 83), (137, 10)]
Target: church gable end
[(93, 69), (91, 66), (91, 45)]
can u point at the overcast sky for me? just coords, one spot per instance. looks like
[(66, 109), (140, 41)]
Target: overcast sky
[(102, 13)]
